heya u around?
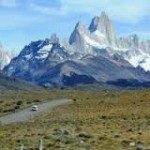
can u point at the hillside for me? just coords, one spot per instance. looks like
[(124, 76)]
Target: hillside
[(8, 83)]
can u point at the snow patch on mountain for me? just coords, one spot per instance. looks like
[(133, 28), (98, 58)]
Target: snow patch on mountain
[(44, 52), (27, 57), (93, 43), (142, 61), (99, 34), (145, 64)]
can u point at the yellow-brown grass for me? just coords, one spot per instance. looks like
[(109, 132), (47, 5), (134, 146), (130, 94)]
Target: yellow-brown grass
[(111, 121)]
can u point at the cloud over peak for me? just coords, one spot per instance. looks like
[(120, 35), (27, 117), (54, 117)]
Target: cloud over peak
[(119, 10)]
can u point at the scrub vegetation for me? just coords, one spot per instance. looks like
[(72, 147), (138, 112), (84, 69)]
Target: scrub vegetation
[(102, 120)]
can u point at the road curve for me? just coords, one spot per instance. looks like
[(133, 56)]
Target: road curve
[(27, 114)]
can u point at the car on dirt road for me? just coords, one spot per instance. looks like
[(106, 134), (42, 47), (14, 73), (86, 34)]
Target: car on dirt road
[(34, 108)]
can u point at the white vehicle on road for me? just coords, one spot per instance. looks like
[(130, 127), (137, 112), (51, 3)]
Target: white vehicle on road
[(34, 108), (27, 114)]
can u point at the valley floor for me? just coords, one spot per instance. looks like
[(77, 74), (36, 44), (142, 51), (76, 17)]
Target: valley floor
[(108, 120)]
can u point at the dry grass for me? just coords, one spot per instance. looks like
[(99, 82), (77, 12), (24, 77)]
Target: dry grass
[(94, 120), (10, 99)]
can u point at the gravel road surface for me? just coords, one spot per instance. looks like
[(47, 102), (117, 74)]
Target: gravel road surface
[(28, 114)]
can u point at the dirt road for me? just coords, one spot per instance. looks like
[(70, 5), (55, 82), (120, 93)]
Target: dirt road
[(27, 114)]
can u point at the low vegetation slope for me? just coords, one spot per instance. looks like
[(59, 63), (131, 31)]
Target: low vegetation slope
[(14, 84)]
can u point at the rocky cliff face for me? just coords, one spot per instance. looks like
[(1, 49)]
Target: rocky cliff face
[(78, 38), (103, 28)]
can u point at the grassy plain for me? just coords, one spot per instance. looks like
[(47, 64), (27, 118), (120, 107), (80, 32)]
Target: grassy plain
[(102, 120)]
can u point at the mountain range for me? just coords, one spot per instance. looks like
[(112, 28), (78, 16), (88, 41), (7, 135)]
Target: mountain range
[(91, 55)]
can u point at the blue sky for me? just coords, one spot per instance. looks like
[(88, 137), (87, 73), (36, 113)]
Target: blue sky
[(22, 21)]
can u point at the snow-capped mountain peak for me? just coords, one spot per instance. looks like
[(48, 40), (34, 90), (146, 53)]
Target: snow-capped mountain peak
[(5, 57), (100, 34)]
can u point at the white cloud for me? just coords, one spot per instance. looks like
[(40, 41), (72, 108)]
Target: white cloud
[(120, 10), (46, 10), (8, 3), (126, 11)]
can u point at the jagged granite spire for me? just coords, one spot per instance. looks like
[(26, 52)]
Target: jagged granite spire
[(76, 34), (77, 38), (104, 25)]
